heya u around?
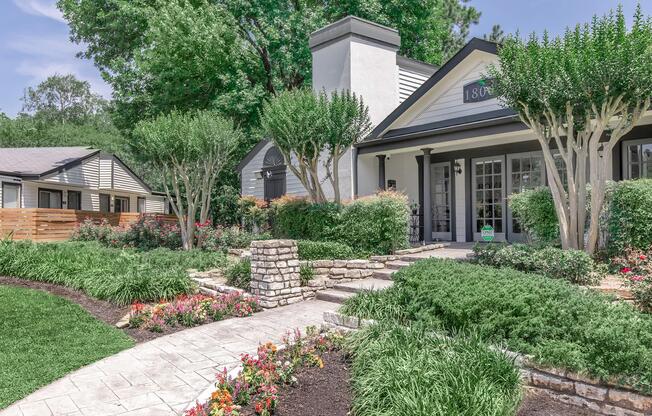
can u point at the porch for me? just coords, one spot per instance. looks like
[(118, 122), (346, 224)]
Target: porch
[(50, 224)]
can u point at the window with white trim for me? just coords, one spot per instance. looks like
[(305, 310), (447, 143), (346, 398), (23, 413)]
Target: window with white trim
[(637, 159)]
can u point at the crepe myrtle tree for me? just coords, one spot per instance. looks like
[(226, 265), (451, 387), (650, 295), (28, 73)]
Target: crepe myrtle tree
[(580, 94), (314, 129), (189, 150)]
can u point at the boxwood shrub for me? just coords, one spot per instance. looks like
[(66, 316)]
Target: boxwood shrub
[(399, 370), (534, 210), (630, 216), (574, 266), (560, 324), (323, 250), (297, 218)]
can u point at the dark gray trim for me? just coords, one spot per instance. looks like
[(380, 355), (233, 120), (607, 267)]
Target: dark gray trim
[(416, 66), (354, 171), (38, 196), (446, 134), (381, 172), (473, 45), (252, 153), (427, 198), (420, 184), (468, 198), (352, 25)]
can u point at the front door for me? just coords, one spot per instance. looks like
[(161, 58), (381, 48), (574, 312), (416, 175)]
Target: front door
[(524, 171), (488, 179), (440, 191), (274, 182)]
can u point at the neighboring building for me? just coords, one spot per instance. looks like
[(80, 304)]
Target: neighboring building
[(449, 144), (78, 178)]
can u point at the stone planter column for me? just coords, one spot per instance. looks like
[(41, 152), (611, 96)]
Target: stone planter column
[(275, 272)]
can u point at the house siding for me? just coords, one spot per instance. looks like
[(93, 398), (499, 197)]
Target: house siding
[(123, 180), (408, 82), (86, 174)]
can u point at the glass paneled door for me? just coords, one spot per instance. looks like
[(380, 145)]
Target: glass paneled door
[(524, 171), (488, 178), (440, 191)]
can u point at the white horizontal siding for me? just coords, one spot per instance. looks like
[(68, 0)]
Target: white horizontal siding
[(123, 180), (86, 174), (106, 175), (408, 82), (450, 103), (155, 205)]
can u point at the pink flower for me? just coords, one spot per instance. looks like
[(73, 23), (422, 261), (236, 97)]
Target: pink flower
[(642, 257), (637, 278)]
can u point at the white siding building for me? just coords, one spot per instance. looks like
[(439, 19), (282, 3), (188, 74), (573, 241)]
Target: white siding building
[(76, 178)]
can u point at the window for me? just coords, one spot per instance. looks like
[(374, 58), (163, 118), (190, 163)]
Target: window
[(105, 203), (638, 159), (141, 205), (49, 198), (121, 204), (74, 200), (10, 195)]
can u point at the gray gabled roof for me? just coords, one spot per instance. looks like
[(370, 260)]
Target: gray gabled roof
[(36, 162)]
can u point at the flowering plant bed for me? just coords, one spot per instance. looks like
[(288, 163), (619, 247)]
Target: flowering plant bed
[(191, 311), (635, 266), (254, 391)]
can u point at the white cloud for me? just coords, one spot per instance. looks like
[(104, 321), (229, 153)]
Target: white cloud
[(45, 8), (37, 71), (43, 46)]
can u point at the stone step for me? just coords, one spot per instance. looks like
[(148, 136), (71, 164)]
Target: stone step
[(208, 292), (397, 265), (333, 295), (358, 286), (385, 274)]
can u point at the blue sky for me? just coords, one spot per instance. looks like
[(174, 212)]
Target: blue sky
[(34, 37)]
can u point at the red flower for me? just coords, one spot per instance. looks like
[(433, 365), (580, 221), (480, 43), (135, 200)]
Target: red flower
[(642, 257), (626, 270)]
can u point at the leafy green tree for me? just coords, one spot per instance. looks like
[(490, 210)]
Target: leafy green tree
[(497, 34), (188, 150), (580, 94), (63, 99), (348, 123)]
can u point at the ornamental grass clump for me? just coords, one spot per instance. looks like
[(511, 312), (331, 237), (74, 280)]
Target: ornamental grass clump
[(191, 311), (559, 324), (400, 370)]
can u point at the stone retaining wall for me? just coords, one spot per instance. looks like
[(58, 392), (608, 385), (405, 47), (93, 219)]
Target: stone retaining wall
[(275, 272), (327, 273), (575, 389)]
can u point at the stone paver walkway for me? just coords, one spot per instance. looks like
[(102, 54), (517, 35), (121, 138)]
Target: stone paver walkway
[(163, 376)]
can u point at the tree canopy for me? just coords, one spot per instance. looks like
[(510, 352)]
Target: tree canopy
[(580, 93)]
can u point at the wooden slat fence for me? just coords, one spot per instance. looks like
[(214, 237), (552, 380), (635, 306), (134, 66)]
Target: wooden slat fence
[(48, 224)]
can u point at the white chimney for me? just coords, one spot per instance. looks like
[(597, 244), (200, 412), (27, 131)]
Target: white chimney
[(358, 55)]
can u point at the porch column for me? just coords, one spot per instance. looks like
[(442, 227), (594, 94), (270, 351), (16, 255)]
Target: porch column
[(381, 172), (427, 210)]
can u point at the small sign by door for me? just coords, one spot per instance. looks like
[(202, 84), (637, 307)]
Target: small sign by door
[(487, 233)]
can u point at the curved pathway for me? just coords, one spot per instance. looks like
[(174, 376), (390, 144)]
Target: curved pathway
[(163, 376)]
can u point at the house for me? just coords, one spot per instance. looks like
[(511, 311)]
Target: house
[(445, 141), (74, 178)]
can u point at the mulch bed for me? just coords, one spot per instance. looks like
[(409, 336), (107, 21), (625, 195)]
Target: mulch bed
[(327, 392), (102, 310)]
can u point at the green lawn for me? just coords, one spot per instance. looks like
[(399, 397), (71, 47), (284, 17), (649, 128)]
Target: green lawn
[(43, 337)]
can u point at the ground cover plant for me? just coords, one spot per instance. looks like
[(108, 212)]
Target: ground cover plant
[(258, 383), (191, 311), (574, 266), (121, 276), (559, 324), (447, 376), (43, 337)]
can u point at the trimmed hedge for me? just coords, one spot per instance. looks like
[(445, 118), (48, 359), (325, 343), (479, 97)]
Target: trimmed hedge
[(323, 250), (119, 276), (574, 266), (534, 209), (400, 370), (630, 216), (371, 225), (561, 325)]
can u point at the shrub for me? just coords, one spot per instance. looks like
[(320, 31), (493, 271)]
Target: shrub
[(630, 216), (238, 274), (105, 233), (573, 265), (635, 266), (560, 324), (306, 274), (323, 250), (151, 232), (447, 376), (376, 224), (120, 276), (253, 213), (534, 209), (297, 218), (223, 238)]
